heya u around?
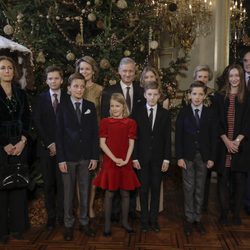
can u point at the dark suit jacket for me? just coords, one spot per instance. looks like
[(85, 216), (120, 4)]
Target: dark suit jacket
[(241, 126), (45, 118), (188, 137), (76, 141), (152, 145), (138, 97)]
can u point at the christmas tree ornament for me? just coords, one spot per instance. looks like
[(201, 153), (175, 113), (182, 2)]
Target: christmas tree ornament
[(112, 82), (8, 29), (88, 3), (104, 63), (40, 57), (153, 44), (122, 4), (91, 17), (19, 17), (98, 3), (100, 24), (142, 47), (70, 56), (127, 53)]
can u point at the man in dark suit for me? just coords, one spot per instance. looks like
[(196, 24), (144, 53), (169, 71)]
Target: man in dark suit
[(196, 137), (152, 153), (77, 152), (133, 94), (44, 115)]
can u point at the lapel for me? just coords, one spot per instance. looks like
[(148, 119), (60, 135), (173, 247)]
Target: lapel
[(191, 115), (157, 118), (49, 102), (203, 115), (145, 118)]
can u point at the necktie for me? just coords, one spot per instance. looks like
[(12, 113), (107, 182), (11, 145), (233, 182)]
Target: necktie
[(55, 102), (128, 99), (248, 84), (197, 118), (150, 117), (78, 111)]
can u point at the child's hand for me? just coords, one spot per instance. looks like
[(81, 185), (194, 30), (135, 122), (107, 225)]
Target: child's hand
[(63, 167), (92, 165), (9, 149), (118, 161), (231, 147), (121, 163), (181, 163), (136, 165), (210, 164), (165, 166), (52, 149)]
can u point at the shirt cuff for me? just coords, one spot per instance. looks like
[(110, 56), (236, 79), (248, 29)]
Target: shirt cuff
[(166, 161), (50, 144)]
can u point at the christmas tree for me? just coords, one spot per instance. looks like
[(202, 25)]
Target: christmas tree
[(60, 31)]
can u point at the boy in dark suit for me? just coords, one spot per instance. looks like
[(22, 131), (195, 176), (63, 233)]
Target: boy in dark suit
[(77, 151), (196, 135), (152, 153), (44, 115)]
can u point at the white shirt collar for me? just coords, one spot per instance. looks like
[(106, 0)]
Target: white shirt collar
[(195, 107), (124, 86)]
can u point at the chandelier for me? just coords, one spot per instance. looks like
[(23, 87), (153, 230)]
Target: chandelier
[(184, 20)]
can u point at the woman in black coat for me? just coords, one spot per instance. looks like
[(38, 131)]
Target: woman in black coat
[(14, 127), (232, 104)]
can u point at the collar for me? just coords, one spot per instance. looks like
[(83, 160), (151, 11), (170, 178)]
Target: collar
[(124, 86), (195, 107), (73, 100), (149, 107)]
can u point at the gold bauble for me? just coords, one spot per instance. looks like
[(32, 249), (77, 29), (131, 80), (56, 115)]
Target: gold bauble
[(8, 29), (104, 63)]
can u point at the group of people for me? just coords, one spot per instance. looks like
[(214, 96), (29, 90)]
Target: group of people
[(118, 138)]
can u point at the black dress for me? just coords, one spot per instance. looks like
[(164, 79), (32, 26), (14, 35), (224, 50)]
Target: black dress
[(14, 122)]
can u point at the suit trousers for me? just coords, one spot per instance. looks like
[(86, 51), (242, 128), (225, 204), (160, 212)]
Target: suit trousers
[(150, 177), (194, 177), (53, 185), (76, 171), (247, 196)]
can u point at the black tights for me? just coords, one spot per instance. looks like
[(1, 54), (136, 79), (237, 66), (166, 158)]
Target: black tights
[(108, 207)]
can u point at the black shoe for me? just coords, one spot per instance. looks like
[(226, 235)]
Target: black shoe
[(155, 227), (223, 220), (132, 216), (200, 228), (188, 228), (236, 221), (107, 234), (129, 230), (68, 233), (51, 224), (87, 230), (4, 239), (144, 227), (17, 236), (115, 217)]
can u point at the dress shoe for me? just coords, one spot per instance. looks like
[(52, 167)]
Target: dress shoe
[(51, 224), (107, 234), (68, 233), (129, 230), (155, 227), (200, 228), (188, 228), (87, 230), (4, 239), (145, 227)]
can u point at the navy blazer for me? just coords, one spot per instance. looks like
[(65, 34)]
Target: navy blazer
[(76, 141), (44, 118), (188, 137), (152, 145), (138, 97)]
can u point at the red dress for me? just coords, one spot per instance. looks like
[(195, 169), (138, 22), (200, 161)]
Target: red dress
[(117, 133)]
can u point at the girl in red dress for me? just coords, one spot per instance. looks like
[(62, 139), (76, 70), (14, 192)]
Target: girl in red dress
[(117, 135)]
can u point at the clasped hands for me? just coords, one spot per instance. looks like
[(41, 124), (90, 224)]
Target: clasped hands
[(232, 146), (16, 149)]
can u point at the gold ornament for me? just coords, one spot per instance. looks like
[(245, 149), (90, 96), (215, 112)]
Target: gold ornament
[(112, 82), (127, 53), (98, 2), (91, 17), (104, 63), (40, 57), (70, 56), (122, 4), (8, 29), (153, 44)]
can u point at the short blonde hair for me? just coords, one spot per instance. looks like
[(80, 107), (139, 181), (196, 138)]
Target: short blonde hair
[(120, 98), (203, 68)]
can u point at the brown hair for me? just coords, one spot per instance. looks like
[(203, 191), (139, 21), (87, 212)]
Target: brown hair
[(242, 87), (75, 76), (53, 68), (16, 76), (91, 61), (197, 84), (120, 98), (147, 69)]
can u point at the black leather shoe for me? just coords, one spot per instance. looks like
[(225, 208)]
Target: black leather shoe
[(87, 230), (4, 239), (155, 227), (200, 228), (107, 234), (129, 230), (144, 227), (68, 234), (188, 228), (51, 224)]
